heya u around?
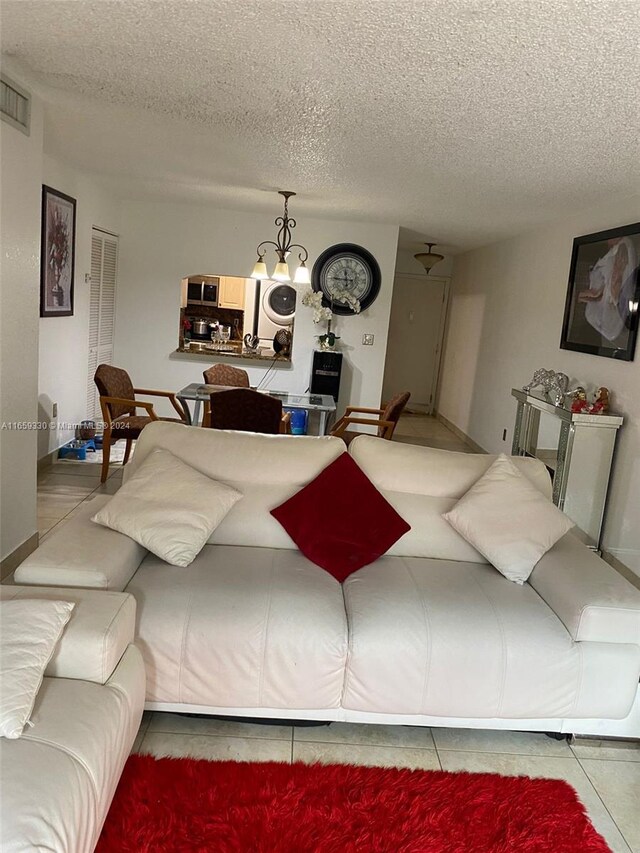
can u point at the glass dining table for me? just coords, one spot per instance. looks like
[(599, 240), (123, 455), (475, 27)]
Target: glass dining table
[(197, 394)]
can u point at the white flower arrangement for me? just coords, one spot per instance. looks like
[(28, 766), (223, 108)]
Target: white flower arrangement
[(313, 299), (339, 293)]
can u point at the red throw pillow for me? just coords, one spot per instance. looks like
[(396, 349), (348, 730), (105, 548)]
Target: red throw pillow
[(340, 521)]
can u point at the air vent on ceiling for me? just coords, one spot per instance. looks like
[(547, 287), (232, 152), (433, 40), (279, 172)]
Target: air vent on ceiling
[(15, 104)]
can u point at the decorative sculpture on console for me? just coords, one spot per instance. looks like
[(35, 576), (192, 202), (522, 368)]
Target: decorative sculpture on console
[(539, 380), (554, 384)]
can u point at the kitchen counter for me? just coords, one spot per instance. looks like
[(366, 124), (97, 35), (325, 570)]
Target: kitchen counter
[(203, 350)]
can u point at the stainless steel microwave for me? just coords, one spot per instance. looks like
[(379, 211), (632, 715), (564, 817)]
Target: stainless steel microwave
[(203, 292)]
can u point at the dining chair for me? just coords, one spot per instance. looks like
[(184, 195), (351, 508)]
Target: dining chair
[(248, 411), (225, 374), (222, 374), (118, 405), (386, 418)]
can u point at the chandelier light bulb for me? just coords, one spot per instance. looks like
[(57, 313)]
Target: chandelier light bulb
[(260, 269), (302, 275), (281, 272)]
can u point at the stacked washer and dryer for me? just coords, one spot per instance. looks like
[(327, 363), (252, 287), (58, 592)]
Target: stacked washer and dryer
[(277, 309)]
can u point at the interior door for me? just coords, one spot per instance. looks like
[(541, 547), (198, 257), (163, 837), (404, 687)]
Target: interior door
[(414, 345), (102, 310)]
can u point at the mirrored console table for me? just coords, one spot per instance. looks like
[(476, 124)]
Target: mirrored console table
[(578, 451)]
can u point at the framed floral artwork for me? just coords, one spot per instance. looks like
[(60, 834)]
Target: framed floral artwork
[(57, 253), (601, 310)]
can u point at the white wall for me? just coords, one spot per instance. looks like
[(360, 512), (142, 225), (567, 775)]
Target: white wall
[(64, 340), (21, 179), (505, 321), (162, 243)]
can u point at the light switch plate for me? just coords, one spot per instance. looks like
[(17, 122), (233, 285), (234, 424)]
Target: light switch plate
[(367, 340)]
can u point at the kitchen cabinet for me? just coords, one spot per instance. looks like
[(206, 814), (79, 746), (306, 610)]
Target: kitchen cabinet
[(231, 293)]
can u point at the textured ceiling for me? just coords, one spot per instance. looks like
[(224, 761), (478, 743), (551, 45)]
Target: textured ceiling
[(461, 120)]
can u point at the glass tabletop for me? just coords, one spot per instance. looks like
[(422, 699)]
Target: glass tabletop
[(320, 402)]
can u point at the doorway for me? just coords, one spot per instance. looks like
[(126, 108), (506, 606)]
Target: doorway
[(416, 334), (102, 309)]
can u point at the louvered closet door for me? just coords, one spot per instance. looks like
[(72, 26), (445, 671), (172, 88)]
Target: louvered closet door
[(104, 268)]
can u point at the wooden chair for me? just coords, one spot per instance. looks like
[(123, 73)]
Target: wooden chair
[(248, 411), (223, 374), (386, 420), (118, 405)]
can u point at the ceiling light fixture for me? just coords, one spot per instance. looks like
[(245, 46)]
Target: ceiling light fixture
[(429, 259), (283, 247)]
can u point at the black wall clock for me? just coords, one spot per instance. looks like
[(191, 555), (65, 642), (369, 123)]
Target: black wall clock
[(350, 266)]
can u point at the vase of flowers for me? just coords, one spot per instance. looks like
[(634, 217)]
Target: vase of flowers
[(324, 313)]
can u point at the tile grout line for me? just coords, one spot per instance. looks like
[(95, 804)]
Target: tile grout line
[(604, 805), (372, 745), (219, 735)]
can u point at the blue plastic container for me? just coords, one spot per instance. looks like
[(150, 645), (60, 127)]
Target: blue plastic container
[(298, 421), (77, 449)]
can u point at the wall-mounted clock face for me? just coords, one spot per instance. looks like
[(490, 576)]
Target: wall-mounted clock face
[(346, 266)]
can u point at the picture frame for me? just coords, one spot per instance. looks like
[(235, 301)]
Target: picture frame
[(601, 308), (57, 253)]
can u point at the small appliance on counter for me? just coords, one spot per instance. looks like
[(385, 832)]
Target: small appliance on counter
[(200, 328)]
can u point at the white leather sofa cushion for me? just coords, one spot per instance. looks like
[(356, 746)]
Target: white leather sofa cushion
[(506, 518), (423, 483), (83, 554), (457, 640), (267, 469), (59, 778), (99, 631), (593, 601), (168, 507), (241, 627)]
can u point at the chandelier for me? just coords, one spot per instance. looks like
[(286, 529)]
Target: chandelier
[(283, 247), (429, 259)]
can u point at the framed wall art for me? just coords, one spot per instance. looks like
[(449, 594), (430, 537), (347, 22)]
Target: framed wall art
[(57, 252), (601, 310)]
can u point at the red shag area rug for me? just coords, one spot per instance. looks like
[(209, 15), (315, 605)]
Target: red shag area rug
[(180, 805)]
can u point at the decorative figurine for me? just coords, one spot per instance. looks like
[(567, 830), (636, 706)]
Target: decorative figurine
[(558, 386), (251, 342), (554, 384), (580, 402), (539, 380), (600, 405)]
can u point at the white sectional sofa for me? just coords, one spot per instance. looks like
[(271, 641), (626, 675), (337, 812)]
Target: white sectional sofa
[(429, 634), (58, 779)]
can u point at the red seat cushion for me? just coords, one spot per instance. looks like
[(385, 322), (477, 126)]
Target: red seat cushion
[(340, 520)]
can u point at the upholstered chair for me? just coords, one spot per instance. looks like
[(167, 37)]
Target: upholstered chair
[(386, 419), (224, 374), (248, 411), (118, 405)]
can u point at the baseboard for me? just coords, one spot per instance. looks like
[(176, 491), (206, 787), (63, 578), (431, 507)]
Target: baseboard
[(458, 432), (13, 560), (47, 461), (620, 567)]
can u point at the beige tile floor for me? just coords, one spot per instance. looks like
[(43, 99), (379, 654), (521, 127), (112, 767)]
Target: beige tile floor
[(606, 774), (428, 432)]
